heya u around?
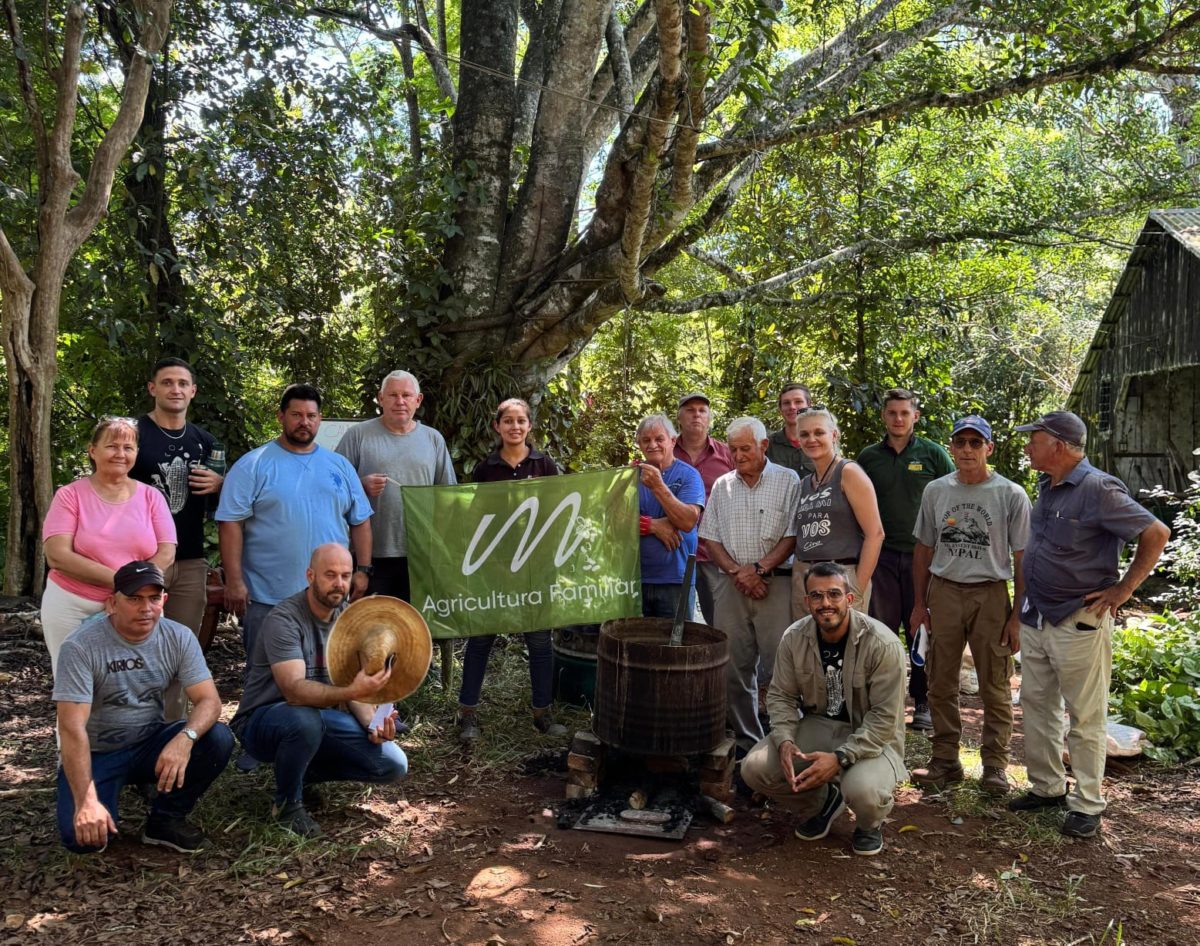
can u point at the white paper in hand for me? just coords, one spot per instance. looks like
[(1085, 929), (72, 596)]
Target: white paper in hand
[(920, 646), (383, 712)]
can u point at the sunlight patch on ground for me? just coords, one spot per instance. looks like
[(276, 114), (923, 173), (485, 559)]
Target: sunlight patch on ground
[(491, 883)]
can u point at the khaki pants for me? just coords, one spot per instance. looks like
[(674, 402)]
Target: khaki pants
[(974, 616), (867, 785), (862, 596), (187, 596), (1065, 664), (754, 629)]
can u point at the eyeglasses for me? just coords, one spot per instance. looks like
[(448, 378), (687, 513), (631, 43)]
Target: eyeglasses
[(973, 442), (834, 596), (812, 409)]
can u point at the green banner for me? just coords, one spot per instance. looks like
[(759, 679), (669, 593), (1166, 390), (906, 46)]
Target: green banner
[(505, 558)]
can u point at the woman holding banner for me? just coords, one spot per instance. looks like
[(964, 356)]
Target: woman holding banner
[(513, 459)]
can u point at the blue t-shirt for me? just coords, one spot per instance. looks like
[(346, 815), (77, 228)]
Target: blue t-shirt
[(661, 566), (288, 504)]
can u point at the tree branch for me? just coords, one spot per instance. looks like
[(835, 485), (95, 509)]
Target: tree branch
[(25, 80), (1104, 65), (732, 273), (618, 57)]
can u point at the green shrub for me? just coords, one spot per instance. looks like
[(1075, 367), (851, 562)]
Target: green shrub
[(1156, 683)]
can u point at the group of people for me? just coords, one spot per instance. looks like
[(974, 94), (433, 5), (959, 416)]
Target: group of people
[(812, 564)]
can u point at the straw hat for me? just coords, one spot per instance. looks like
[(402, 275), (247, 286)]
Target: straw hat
[(370, 631)]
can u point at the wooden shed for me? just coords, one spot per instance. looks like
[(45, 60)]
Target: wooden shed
[(1139, 385)]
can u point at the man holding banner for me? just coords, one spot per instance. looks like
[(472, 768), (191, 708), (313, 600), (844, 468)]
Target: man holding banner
[(670, 500), (750, 528)]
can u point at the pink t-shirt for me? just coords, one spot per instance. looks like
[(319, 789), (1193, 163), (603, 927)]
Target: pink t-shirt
[(109, 533)]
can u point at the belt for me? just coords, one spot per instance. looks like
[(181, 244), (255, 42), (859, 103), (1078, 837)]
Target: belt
[(970, 584), (781, 572), (836, 561)]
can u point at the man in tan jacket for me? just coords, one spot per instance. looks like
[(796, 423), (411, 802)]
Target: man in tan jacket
[(837, 717)]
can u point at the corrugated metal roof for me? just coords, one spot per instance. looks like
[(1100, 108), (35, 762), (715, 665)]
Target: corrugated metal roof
[(1184, 225)]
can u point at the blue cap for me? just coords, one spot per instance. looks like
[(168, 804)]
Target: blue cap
[(973, 422)]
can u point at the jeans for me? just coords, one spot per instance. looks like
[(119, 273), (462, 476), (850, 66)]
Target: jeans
[(541, 668), (256, 613), (892, 603), (310, 745), (660, 601), (111, 771)]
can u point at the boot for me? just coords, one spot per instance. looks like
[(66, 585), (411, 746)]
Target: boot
[(544, 723), (468, 726), (938, 774), (994, 781)]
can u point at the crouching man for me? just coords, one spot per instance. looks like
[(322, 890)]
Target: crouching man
[(837, 717), (113, 671), (291, 713)]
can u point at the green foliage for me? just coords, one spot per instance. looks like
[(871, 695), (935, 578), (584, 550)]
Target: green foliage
[(1156, 683), (1181, 557)]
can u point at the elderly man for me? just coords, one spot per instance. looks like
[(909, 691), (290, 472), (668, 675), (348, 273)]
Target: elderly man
[(113, 674), (389, 451), (837, 717), (670, 500), (280, 500), (291, 713), (784, 447), (1073, 589), (900, 466), (971, 530), (750, 528), (712, 459)]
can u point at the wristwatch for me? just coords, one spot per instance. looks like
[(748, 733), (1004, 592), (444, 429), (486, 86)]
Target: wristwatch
[(367, 570), (842, 757), (191, 734), (759, 570)]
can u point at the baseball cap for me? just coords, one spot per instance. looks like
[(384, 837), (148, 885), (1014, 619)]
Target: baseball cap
[(1064, 425), (694, 396), (973, 422), (136, 575)]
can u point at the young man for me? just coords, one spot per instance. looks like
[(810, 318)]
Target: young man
[(113, 672), (837, 717), (900, 466), (1073, 588), (971, 531), (784, 444), (172, 457)]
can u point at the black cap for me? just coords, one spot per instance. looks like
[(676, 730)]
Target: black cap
[(136, 575), (1063, 425)]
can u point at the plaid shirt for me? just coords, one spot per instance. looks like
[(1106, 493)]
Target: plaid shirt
[(749, 521)]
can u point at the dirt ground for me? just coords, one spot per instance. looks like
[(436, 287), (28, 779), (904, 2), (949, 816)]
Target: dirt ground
[(470, 853)]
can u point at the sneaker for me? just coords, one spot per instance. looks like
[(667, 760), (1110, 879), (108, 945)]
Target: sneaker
[(468, 728), (174, 832), (1079, 825), (867, 841), (939, 774), (544, 723), (994, 781), (818, 825), (246, 763), (922, 720), (1032, 801), (295, 818)]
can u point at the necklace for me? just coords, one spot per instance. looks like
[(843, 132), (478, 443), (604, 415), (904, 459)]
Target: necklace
[(819, 481), (166, 433)]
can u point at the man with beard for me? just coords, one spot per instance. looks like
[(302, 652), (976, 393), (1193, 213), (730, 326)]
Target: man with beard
[(279, 501), (837, 717), (292, 715)]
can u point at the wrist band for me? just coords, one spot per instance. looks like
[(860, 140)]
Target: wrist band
[(644, 525)]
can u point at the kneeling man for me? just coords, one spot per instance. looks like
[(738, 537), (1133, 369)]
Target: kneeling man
[(837, 717), (292, 715), (113, 671)]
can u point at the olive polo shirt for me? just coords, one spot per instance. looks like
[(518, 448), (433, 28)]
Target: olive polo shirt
[(781, 450), (900, 480)]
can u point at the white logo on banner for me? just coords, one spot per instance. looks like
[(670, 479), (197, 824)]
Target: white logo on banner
[(527, 547)]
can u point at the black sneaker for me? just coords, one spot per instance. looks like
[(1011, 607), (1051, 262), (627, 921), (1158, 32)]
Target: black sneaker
[(173, 832), (868, 841), (1079, 825), (296, 819), (246, 763), (922, 719), (1032, 801), (818, 825)]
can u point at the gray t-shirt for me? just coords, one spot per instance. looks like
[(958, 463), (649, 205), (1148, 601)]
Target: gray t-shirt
[(417, 458), (289, 632), (124, 682), (973, 529)]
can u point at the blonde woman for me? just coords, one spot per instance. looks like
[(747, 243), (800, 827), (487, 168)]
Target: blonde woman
[(837, 517), (94, 526)]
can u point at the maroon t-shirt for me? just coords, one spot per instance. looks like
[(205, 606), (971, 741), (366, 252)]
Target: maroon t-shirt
[(715, 461)]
